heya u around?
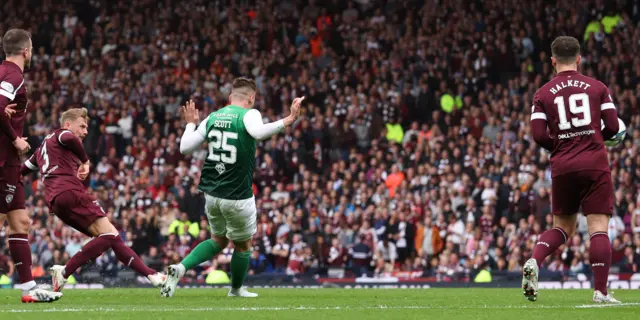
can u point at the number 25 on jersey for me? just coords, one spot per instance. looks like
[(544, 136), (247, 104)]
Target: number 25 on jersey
[(220, 145), (579, 108)]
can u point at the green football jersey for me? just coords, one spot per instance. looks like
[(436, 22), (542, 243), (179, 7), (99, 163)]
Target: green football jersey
[(228, 170)]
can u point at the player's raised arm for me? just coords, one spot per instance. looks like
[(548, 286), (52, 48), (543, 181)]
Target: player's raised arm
[(609, 115), (539, 125), (261, 131), (193, 136)]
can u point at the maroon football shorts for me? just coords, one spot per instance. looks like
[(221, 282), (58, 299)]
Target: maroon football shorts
[(590, 189), (77, 209), (11, 189)]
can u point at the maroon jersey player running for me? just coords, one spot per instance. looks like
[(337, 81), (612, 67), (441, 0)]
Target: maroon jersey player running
[(63, 163), (16, 44), (572, 107)]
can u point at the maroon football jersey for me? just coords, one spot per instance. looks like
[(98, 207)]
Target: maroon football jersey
[(573, 105), (58, 165), (12, 91)]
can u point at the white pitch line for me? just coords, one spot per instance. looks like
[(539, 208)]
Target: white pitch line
[(299, 308), (586, 306)]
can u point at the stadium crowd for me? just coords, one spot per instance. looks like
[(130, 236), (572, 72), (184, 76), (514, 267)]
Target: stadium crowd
[(414, 152)]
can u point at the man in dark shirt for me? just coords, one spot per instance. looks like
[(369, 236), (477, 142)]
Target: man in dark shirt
[(63, 165), (361, 255), (573, 108), (17, 46)]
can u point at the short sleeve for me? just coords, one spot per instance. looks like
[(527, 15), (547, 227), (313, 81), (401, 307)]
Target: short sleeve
[(607, 101), (537, 112), (10, 84)]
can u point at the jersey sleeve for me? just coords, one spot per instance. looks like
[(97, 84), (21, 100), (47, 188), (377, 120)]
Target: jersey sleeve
[(202, 127), (193, 137), (9, 86), (539, 124), (68, 140), (258, 130), (609, 114), (31, 164)]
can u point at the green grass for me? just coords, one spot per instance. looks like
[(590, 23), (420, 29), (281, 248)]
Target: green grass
[(311, 304)]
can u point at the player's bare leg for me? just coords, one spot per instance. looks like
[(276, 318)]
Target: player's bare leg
[(105, 236), (204, 251), (600, 257), (18, 236), (563, 228), (239, 267)]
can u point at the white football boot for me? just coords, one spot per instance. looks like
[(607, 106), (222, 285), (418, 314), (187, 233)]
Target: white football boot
[(57, 277), (37, 294), (241, 292), (175, 272), (530, 280), (599, 297), (157, 279)]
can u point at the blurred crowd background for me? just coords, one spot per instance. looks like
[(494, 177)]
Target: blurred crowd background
[(413, 154)]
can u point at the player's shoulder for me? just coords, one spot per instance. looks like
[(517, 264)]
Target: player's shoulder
[(545, 89), (58, 134), (10, 81), (599, 84), (10, 73)]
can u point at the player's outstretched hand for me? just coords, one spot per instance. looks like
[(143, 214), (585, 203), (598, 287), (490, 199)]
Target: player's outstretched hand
[(10, 110), (22, 145), (295, 111), (83, 171), (191, 114)]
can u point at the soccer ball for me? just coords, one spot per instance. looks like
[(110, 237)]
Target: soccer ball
[(622, 132)]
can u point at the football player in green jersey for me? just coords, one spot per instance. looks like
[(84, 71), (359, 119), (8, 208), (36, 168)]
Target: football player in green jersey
[(226, 179)]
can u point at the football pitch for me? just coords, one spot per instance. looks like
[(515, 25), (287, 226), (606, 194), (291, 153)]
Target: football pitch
[(310, 304)]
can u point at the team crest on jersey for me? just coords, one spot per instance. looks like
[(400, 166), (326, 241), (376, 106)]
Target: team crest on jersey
[(9, 198), (220, 168), (7, 86)]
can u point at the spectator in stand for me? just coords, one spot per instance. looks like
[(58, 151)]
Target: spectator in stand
[(373, 143), (361, 255)]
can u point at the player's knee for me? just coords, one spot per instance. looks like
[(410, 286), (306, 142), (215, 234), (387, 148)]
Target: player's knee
[(222, 241), (102, 226), (598, 223), (567, 223), (242, 246), (19, 222)]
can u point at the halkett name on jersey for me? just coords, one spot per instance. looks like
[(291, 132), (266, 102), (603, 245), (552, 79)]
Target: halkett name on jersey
[(569, 83)]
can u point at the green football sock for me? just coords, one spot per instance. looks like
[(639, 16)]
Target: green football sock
[(239, 267), (201, 253)]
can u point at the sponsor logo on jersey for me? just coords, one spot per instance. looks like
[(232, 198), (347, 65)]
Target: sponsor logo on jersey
[(7, 86), (543, 243), (576, 134), (599, 264), (220, 168)]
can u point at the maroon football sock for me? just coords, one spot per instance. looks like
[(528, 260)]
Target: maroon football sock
[(548, 243), (21, 255), (600, 257), (129, 258), (90, 251)]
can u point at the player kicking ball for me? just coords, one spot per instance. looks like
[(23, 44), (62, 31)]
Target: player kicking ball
[(572, 106), (226, 178), (63, 164)]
